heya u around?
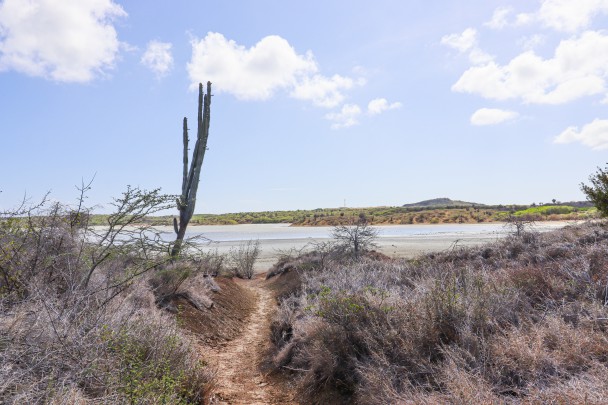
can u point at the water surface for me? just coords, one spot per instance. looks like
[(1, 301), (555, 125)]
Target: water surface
[(393, 240), (268, 232)]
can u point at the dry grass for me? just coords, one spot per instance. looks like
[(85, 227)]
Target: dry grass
[(519, 321), (79, 320)]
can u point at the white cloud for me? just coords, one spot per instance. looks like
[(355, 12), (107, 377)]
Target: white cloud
[(499, 18), (492, 116), (524, 18), (565, 15), (594, 135), (249, 74), (578, 68), (347, 117), (257, 73), (349, 114), (379, 105), (461, 42), (68, 41), (479, 57), (532, 42), (322, 91), (467, 42), (158, 58), (569, 15)]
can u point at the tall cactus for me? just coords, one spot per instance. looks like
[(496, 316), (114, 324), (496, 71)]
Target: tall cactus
[(191, 176)]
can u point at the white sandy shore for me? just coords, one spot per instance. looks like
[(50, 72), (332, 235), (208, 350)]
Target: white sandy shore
[(399, 241), (406, 246)]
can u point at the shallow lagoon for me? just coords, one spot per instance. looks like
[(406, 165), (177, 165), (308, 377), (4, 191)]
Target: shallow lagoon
[(393, 240)]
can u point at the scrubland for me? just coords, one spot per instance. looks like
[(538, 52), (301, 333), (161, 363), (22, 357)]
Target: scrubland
[(88, 318), (108, 316), (522, 320)]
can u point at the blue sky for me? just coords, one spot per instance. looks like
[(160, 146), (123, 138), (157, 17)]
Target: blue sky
[(378, 103)]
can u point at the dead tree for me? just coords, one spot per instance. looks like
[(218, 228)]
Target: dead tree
[(355, 239), (520, 223), (191, 176)]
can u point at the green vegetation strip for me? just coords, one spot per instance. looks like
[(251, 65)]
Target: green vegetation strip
[(381, 215)]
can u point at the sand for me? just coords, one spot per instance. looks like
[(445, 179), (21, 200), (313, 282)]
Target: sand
[(398, 247)]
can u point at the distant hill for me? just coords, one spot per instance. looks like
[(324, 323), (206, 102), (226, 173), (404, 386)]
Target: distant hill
[(444, 203)]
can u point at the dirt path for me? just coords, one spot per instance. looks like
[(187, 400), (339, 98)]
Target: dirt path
[(239, 379)]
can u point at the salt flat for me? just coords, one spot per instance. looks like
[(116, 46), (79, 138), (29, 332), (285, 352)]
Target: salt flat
[(399, 241)]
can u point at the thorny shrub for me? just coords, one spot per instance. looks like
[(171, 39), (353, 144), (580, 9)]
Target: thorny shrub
[(243, 257), (521, 320), (78, 318)]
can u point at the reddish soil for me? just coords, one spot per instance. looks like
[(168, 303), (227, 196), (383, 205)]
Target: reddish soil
[(232, 307), (234, 336), (285, 283)]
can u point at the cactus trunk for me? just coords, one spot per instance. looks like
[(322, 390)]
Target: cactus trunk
[(191, 175)]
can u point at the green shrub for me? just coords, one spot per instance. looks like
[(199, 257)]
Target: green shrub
[(546, 210), (149, 367), (597, 192)]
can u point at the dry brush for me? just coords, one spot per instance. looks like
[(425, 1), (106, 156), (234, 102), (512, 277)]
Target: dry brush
[(522, 320)]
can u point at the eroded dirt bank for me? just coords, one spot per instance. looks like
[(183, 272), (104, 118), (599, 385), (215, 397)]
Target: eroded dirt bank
[(238, 354)]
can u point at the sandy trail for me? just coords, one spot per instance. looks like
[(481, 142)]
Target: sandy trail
[(239, 379)]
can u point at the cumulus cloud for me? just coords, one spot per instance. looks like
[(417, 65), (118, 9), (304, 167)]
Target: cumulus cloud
[(461, 42), (593, 135), (578, 68), (349, 114), (322, 91), (524, 18), (379, 105), (499, 18), (347, 117), (68, 41), (249, 74), (258, 72), (466, 42), (567, 15), (158, 58), (492, 116)]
